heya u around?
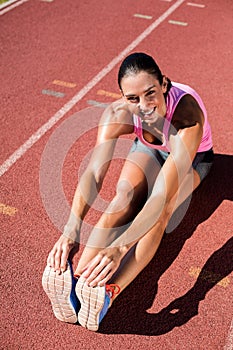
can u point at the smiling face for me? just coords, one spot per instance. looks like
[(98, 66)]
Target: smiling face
[(144, 95)]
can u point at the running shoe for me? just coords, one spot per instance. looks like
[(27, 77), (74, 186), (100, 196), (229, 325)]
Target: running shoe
[(60, 289), (95, 302)]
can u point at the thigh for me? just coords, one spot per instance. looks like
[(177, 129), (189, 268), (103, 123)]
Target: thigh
[(140, 170)]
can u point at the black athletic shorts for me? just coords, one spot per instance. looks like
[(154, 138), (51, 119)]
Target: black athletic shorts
[(202, 162)]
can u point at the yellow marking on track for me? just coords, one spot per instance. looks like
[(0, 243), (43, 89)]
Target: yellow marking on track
[(7, 210), (109, 94), (209, 276), (64, 83)]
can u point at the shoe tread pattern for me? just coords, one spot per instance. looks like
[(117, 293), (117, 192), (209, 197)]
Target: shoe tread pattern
[(58, 288), (92, 301)]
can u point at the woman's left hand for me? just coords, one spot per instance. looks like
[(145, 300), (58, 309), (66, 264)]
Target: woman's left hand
[(100, 269)]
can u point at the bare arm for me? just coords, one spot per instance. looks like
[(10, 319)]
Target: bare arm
[(184, 145), (112, 125)]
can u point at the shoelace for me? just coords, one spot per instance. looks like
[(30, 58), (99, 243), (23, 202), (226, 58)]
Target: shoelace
[(114, 289)]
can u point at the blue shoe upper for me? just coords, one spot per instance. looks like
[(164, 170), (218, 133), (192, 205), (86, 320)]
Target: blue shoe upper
[(73, 297), (105, 307)]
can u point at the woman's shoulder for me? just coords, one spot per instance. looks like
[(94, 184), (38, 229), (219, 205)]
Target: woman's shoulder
[(187, 113)]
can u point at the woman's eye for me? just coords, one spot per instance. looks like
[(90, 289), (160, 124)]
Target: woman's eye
[(133, 99), (152, 92)]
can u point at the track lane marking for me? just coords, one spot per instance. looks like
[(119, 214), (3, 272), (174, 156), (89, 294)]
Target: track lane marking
[(97, 103), (64, 83), (195, 5), (229, 341), (138, 15), (7, 210), (53, 93), (109, 94), (8, 3), (11, 7), (179, 23), (76, 98), (209, 276)]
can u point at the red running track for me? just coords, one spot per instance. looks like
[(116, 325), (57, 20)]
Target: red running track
[(183, 299)]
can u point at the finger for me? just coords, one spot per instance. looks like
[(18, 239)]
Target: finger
[(106, 279), (64, 258), (50, 260), (106, 275), (98, 269), (100, 274), (88, 269), (57, 261)]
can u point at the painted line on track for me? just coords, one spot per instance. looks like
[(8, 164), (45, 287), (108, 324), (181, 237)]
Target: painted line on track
[(11, 7), (53, 93), (97, 103), (5, 4), (70, 104), (64, 83), (229, 341), (209, 276), (178, 23), (138, 15), (109, 94), (195, 5), (7, 210)]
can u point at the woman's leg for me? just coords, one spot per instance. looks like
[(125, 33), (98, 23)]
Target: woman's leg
[(136, 180), (147, 246)]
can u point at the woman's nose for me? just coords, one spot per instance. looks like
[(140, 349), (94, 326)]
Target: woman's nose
[(143, 105)]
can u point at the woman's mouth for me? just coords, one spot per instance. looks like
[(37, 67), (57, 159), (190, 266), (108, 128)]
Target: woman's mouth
[(147, 114)]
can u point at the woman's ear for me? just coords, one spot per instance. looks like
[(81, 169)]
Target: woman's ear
[(164, 84)]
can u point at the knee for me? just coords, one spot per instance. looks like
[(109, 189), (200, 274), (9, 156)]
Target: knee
[(127, 197)]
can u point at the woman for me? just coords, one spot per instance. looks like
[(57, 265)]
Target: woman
[(170, 156)]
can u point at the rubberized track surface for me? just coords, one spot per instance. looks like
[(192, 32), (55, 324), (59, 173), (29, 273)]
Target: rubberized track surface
[(183, 299)]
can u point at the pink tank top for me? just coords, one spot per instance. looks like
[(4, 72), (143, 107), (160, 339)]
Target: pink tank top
[(176, 92)]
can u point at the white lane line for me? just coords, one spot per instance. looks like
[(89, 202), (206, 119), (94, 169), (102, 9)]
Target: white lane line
[(70, 104), (5, 4), (11, 7), (195, 5), (184, 24), (138, 15), (229, 341)]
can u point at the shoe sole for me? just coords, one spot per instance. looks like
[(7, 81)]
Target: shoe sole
[(92, 301), (58, 289)]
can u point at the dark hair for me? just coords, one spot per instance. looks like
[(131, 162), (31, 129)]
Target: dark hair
[(138, 62)]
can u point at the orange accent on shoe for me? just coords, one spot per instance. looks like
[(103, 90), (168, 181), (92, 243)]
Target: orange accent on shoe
[(76, 275), (114, 289)]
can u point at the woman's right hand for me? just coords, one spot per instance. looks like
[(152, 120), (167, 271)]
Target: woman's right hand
[(58, 256)]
